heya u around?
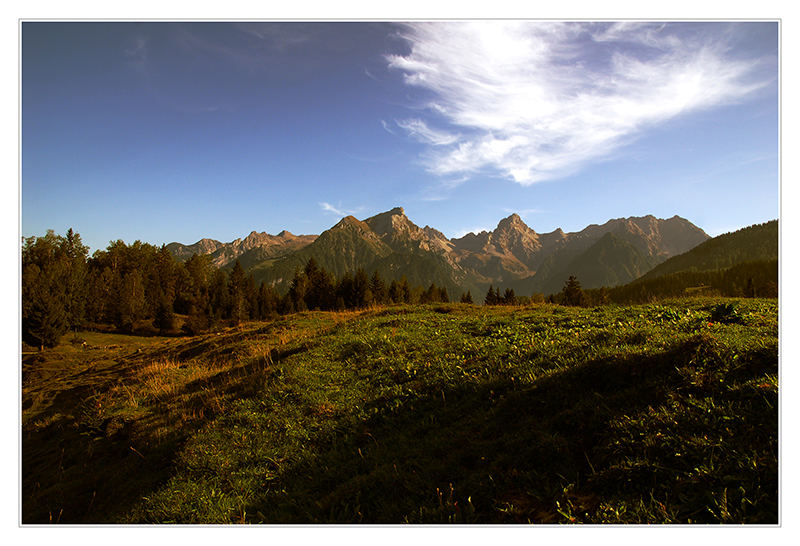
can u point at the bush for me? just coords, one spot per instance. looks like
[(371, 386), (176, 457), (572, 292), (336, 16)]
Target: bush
[(726, 313)]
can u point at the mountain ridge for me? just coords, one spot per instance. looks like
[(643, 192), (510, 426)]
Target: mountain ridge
[(512, 253)]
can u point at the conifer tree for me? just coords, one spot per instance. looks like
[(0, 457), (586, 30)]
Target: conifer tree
[(130, 301), (378, 287), (164, 320), (267, 301), (321, 287), (491, 297), (405, 290), (53, 286), (572, 294), (237, 286), (466, 297), (749, 290), (361, 289), (218, 295), (430, 294), (345, 291), (395, 294), (75, 287), (47, 319)]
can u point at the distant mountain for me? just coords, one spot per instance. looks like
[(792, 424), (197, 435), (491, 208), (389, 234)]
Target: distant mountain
[(636, 245), (388, 242), (512, 255), (348, 245), (610, 261), (758, 242), (253, 249), (743, 263)]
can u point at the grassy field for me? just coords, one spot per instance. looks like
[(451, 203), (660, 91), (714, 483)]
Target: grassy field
[(443, 413)]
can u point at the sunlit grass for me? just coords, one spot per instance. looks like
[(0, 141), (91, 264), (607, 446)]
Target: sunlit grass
[(429, 414)]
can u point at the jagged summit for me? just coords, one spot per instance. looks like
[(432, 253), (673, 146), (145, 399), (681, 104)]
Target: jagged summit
[(513, 222), (512, 253), (394, 227)]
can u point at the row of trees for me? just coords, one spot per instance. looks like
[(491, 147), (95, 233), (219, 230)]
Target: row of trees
[(315, 288), (53, 286), (493, 297), (128, 285), (744, 280)]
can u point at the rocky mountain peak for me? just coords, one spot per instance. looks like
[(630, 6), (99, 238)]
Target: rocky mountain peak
[(348, 221), (513, 222), (391, 223), (514, 237)]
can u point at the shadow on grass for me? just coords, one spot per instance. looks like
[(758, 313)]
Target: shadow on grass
[(81, 466), (496, 452), (502, 453)]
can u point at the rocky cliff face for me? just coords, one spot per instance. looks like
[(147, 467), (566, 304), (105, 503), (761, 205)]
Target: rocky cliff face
[(401, 234)]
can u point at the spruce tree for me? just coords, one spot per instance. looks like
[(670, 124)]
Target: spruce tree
[(572, 294), (405, 290), (395, 294), (237, 286), (46, 319), (490, 298), (361, 289), (164, 320), (378, 287), (75, 254), (267, 301)]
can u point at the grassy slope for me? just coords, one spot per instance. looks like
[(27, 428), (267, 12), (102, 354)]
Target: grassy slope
[(430, 414)]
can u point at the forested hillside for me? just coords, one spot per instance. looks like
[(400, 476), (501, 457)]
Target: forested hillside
[(751, 244)]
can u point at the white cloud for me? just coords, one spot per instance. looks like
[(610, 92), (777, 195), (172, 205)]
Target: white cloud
[(523, 212), (386, 127), (338, 211), (476, 230), (533, 101), (420, 130)]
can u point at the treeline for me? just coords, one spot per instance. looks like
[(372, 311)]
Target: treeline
[(508, 297), (756, 243), (748, 280), (313, 287), (140, 286)]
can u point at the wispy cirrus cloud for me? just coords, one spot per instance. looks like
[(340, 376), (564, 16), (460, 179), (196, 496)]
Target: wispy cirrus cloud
[(523, 212), (420, 130), (338, 210), (533, 101)]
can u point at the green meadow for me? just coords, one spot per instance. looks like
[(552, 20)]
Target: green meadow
[(418, 414)]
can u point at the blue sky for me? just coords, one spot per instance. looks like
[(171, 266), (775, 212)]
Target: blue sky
[(175, 131)]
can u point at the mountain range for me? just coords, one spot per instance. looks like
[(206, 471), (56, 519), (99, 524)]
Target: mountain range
[(512, 255)]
